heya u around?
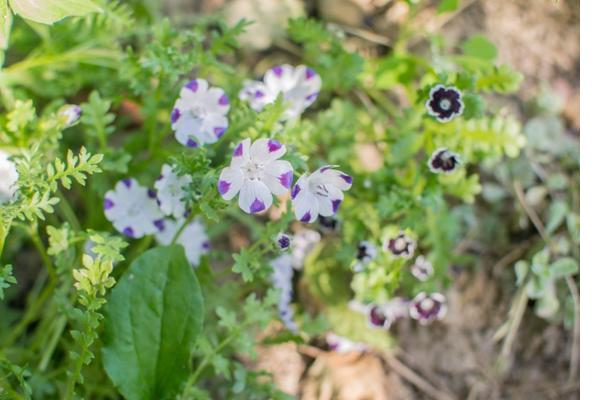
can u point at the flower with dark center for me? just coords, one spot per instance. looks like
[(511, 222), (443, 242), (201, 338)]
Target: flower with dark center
[(401, 245), (427, 308), (445, 103), (378, 318), (283, 241), (443, 161), (365, 253)]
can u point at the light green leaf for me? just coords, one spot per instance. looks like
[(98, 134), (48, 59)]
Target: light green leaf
[(51, 11), (479, 46), (5, 25), (153, 317), (564, 267), (448, 6), (556, 215)]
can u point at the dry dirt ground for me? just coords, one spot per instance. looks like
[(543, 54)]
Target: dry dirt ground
[(457, 358)]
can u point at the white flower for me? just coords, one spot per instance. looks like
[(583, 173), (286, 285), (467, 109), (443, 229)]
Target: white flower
[(170, 191), (444, 103), (281, 277), (193, 238), (427, 308), (341, 344), (199, 115), (366, 252), (133, 209), (319, 193), (299, 87), (304, 242), (443, 160), (8, 178), (422, 268), (69, 114), (256, 174)]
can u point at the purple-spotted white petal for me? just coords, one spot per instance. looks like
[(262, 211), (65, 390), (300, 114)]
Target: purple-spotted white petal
[(299, 87), (319, 193), (133, 209), (8, 178), (200, 114), (193, 238), (170, 190), (283, 241), (256, 173), (422, 269), (427, 308)]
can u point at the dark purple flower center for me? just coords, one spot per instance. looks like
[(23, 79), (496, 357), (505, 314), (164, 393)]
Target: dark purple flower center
[(377, 317)]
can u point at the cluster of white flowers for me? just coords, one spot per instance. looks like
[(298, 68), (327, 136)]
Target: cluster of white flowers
[(8, 178), (136, 211)]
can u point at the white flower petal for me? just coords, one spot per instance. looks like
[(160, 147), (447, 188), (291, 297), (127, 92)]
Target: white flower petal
[(230, 182), (266, 150), (278, 176), (193, 238), (280, 78), (330, 176), (170, 190), (306, 206), (8, 178), (328, 205), (241, 153), (255, 196)]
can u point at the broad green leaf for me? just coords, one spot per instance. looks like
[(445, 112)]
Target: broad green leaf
[(448, 6), (556, 215), (153, 317), (564, 267), (479, 46), (51, 11)]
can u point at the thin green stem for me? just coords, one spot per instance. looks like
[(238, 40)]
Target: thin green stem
[(182, 228), (67, 211)]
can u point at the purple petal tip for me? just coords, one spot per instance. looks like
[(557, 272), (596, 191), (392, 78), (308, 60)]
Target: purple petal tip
[(286, 179), (239, 150), (223, 187), (274, 145), (108, 203), (160, 224), (224, 100), (257, 206), (175, 114), (192, 85), (128, 231), (306, 217), (191, 143), (295, 191)]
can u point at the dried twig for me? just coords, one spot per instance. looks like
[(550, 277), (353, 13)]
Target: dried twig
[(412, 377)]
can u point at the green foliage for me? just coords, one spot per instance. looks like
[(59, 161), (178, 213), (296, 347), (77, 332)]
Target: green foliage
[(6, 279), (152, 319), (479, 46)]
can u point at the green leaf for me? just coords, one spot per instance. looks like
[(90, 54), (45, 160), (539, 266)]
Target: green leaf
[(448, 6), (556, 215), (51, 11), (564, 267), (5, 25), (479, 46), (153, 317)]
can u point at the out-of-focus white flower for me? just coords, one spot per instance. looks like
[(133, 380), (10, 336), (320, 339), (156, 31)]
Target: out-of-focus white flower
[(427, 308), (256, 173), (69, 114), (8, 178), (281, 277), (365, 253), (400, 245), (381, 316), (299, 87), (304, 242), (341, 344), (443, 161), (422, 268), (199, 115), (445, 103), (319, 193), (193, 238), (133, 209), (170, 190)]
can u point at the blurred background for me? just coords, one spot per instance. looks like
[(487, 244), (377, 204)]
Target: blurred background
[(459, 358)]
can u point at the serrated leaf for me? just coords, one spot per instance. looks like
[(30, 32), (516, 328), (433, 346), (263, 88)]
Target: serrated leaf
[(51, 11), (153, 318)]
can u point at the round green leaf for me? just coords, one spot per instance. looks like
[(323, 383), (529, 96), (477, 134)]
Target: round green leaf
[(153, 317)]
